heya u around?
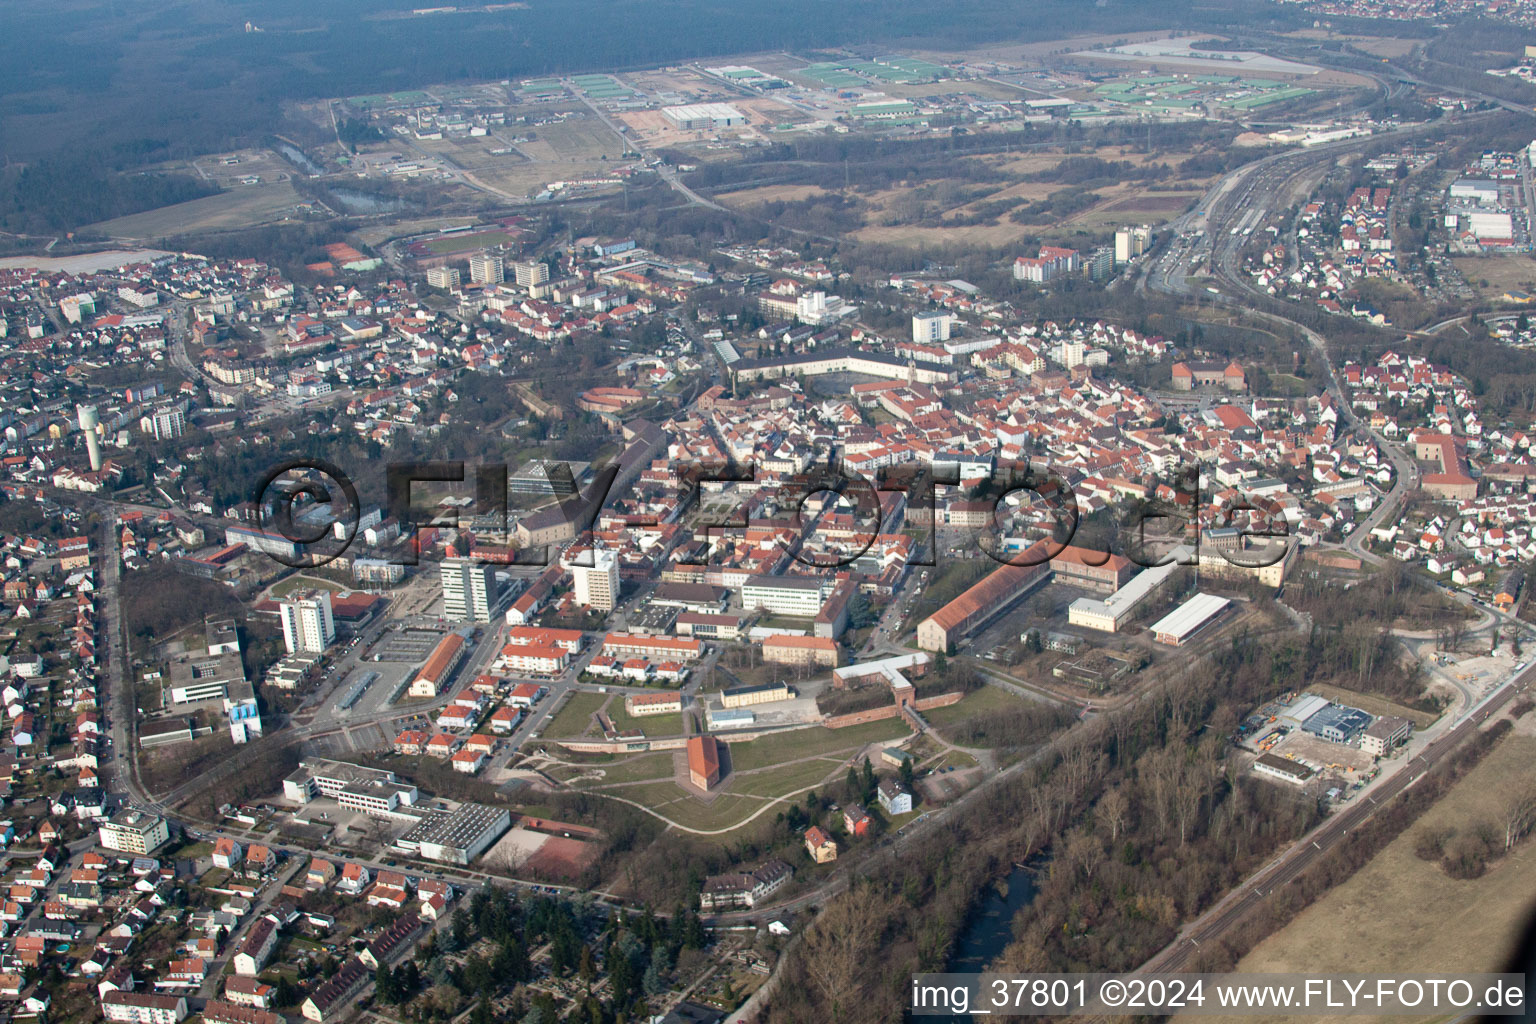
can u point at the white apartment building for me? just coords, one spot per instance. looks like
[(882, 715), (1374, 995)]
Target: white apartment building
[(165, 424), (469, 590), (530, 272), (931, 326), (486, 269), (597, 585), (132, 831), (308, 625)]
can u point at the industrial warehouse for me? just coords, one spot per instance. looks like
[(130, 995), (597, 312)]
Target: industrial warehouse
[(1307, 736), (1178, 626)]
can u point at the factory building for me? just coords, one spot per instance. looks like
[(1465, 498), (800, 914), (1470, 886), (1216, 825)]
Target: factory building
[(1183, 622), (704, 117)]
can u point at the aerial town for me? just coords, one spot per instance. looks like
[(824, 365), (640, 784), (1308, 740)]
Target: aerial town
[(649, 543)]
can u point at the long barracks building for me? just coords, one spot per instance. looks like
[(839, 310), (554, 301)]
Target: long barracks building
[(845, 360), (988, 598)]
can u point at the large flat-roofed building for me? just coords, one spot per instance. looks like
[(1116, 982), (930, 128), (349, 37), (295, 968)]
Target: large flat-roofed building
[(1109, 614), (206, 678), (1280, 768), (222, 636), (706, 117), (370, 790), (694, 597), (730, 718), (703, 761), (530, 272), (1183, 622), (597, 585), (458, 836), (931, 326), (1337, 723), (376, 799), (1301, 709), (130, 831), (746, 696), (796, 596), (486, 268), (711, 627), (1385, 734), (980, 604), (265, 541)]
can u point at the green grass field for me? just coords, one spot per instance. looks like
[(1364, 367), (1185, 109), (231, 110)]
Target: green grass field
[(977, 702), (676, 804), (788, 778), (651, 725), (467, 241), (642, 768), (777, 748), (575, 717)]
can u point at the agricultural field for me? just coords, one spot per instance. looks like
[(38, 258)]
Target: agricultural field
[(573, 141), (1399, 912), (1492, 276), (1000, 201), (243, 206), (384, 101)]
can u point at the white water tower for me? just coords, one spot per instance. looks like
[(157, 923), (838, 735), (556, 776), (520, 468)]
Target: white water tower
[(90, 420)]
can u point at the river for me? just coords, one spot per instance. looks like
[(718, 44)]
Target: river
[(300, 159), (990, 926)]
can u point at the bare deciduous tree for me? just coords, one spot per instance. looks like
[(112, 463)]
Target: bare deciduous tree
[(837, 947), (1519, 816), (1111, 811)]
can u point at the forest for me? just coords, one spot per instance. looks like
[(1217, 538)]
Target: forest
[(1144, 821), (66, 190)]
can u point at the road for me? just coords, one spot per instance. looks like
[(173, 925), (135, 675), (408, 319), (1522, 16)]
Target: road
[(666, 171)]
